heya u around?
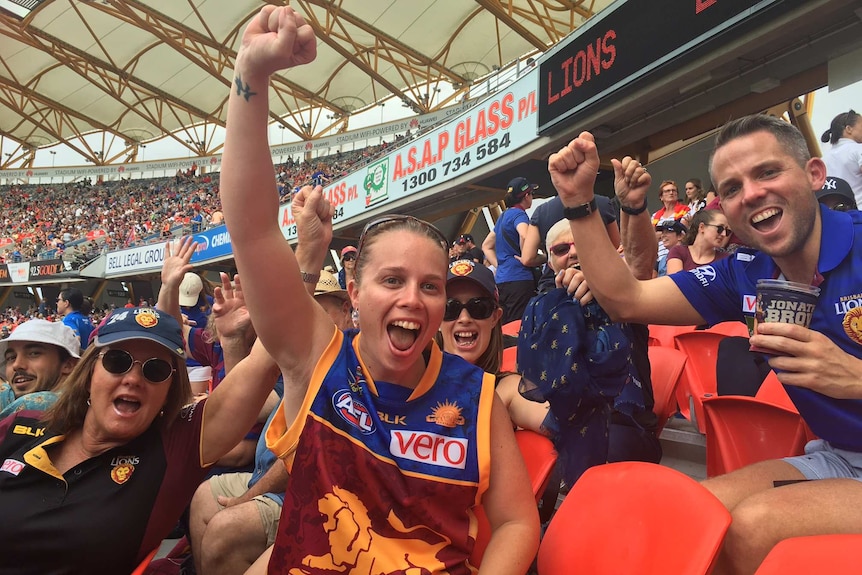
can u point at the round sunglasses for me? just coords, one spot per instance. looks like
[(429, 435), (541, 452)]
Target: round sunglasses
[(477, 307), (119, 362)]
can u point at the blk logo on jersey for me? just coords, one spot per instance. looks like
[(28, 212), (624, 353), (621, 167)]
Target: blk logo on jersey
[(12, 466), (431, 448), (353, 411)]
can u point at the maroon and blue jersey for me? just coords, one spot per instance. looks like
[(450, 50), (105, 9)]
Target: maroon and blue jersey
[(383, 478)]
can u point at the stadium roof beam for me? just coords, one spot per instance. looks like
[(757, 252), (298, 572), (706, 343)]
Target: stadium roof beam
[(113, 81), (205, 51), (393, 44), (504, 14)]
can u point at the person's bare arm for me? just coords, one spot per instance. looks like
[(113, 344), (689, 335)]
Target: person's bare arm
[(573, 172), (637, 234), (489, 248), (530, 255), (509, 503), (273, 481), (674, 265), (174, 269), (274, 39)]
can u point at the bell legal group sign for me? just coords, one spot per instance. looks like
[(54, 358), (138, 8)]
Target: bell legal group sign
[(632, 39)]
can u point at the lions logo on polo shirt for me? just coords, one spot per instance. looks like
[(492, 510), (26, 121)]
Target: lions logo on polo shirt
[(124, 466)]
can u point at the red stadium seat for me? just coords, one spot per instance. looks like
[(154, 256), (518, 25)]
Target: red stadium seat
[(142, 567), (666, 367), (634, 517), (701, 350), (512, 328), (743, 430), (539, 457), (663, 334), (733, 328), (510, 359), (832, 554)]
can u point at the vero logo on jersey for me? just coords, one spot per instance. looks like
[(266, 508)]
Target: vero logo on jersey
[(353, 411), (431, 448), (12, 466)]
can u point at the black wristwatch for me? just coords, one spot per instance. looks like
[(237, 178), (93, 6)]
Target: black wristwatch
[(581, 211), (634, 211)]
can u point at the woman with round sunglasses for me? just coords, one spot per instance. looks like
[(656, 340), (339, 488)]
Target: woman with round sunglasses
[(703, 244), (379, 426), (95, 483)]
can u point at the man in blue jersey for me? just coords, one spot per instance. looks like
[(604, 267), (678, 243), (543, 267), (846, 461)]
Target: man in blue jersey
[(766, 180), (69, 304)]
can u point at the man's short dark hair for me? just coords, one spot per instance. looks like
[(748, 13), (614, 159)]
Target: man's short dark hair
[(788, 136), (74, 297)]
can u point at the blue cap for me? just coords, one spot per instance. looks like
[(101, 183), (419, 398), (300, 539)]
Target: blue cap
[(141, 323), (477, 273)]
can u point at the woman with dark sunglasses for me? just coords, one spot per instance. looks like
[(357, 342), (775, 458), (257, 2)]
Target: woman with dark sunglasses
[(472, 330), (708, 234), (95, 483), (390, 444)]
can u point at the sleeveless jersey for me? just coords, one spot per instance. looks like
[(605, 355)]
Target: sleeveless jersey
[(383, 479)]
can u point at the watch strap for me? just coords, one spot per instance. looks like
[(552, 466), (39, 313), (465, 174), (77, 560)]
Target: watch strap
[(634, 211), (309, 278), (582, 211)]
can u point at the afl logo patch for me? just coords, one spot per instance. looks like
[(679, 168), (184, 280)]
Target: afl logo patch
[(353, 411), (121, 473), (853, 324)]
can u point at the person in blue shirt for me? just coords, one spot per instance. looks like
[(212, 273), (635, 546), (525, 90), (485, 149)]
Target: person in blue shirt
[(71, 305), (766, 179)]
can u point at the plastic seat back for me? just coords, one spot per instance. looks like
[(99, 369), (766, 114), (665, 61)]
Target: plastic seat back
[(664, 334), (539, 458), (510, 359), (142, 567), (743, 430), (701, 350), (832, 554), (772, 391), (666, 366), (634, 517), (732, 328), (512, 328)]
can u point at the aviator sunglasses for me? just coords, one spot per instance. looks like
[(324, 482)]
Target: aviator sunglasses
[(119, 361), (477, 307)]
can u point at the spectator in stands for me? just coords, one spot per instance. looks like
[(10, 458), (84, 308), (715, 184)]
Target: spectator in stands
[(37, 357), (471, 250), (844, 159), (696, 197), (836, 194), (503, 246), (120, 420), (71, 305), (672, 208), (702, 244), (196, 307), (399, 289), (197, 222), (234, 516), (766, 179), (348, 265), (670, 235)]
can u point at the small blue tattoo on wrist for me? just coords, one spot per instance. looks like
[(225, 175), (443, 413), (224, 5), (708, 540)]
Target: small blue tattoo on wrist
[(245, 92)]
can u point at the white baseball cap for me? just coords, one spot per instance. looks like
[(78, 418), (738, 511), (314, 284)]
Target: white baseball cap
[(190, 289), (43, 331)]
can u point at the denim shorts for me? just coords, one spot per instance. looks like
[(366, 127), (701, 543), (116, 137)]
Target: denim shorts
[(822, 461)]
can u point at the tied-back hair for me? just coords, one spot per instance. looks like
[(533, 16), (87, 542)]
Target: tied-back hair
[(701, 217), (68, 413), (836, 128), (788, 136), (700, 195), (413, 225)]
